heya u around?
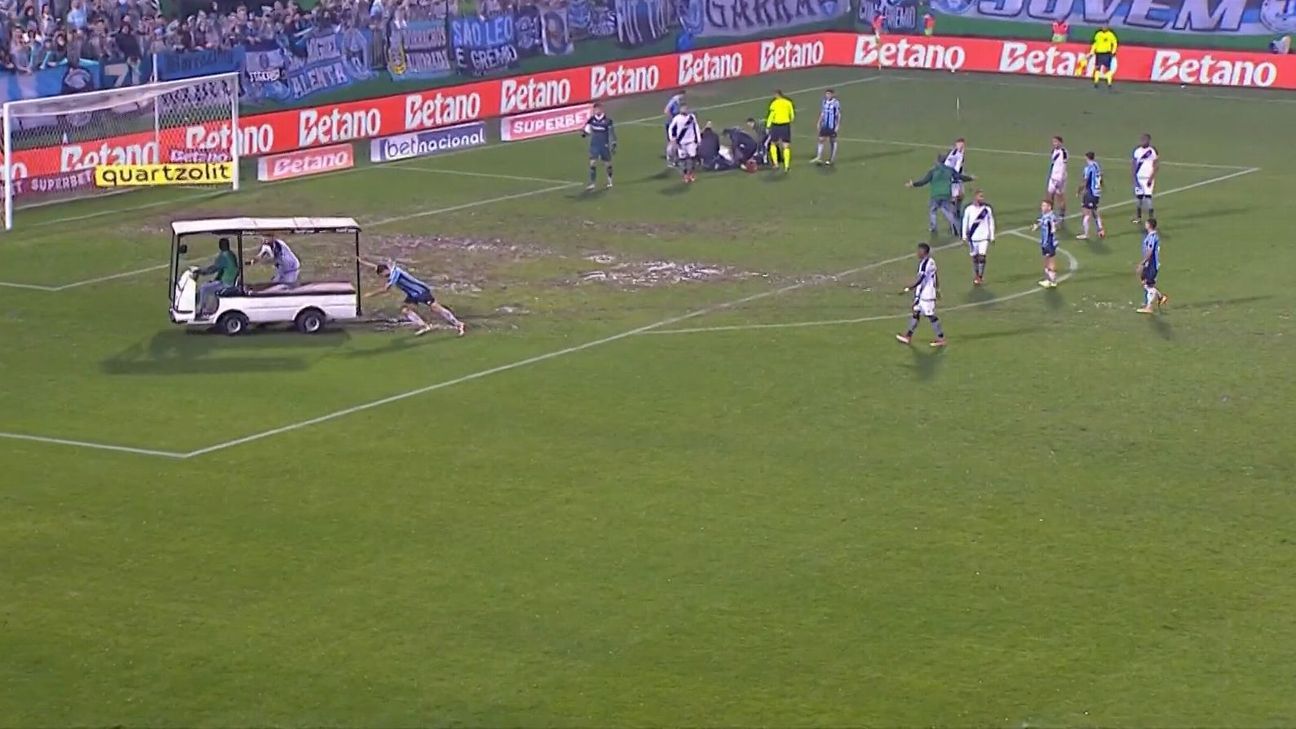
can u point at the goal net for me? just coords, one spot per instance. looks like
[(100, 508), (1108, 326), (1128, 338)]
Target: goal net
[(61, 148)]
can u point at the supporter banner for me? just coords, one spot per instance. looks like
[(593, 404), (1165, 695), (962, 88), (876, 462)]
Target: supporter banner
[(526, 31), (305, 162), (426, 144), (420, 50), (590, 19), (545, 123), (65, 79), (640, 22), (117, 74), (171, 65), (1266, 18), (320, 62), (319, 126), (483, 46), (556, 35), (898, 16), (706, 18)]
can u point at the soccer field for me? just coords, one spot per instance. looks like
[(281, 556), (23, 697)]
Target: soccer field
[(679, 473)]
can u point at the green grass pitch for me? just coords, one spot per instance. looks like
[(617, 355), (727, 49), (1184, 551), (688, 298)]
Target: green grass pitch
[(679, 473)]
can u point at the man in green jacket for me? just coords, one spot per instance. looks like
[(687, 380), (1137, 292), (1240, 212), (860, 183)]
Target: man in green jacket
[(941, 178), (226, 269)]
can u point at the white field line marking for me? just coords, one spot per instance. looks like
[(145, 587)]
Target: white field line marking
[(398, 165), (1269, 96), (1015, 231), (90, 445), (110, 277), (466, 206), (536, 359), (1023, 153), (1073, 265), (489, 175)]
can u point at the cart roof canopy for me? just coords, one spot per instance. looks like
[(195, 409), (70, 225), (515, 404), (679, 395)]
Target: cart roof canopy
[(234, 226)]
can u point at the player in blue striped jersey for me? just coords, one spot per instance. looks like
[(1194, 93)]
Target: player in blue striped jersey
[(1090, 194), (416, 292), (672, 108), (829, 124), (1047, 225), (1149, 267)]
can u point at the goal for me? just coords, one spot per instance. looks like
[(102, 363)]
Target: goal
[(62, 148)]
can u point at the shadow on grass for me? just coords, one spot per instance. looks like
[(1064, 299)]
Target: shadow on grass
[(678, 188), (1219, 302), (926, 361), (1053, 299), (400, 342), (1001, 334), (1097, 246), (883, 154), (1211, 214), (1160, 326), (187, 352), (981, 295)]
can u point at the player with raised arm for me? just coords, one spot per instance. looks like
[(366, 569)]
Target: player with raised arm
[(941, 179), (286, 264), (1090, 194), (954, 159), (1047, 226), (829, 124), (685, 135), (602, 145), (1055, 191), (926, 290), (978, 233), (416, 292), (1144, 164), (672, 108), (1149, 267)]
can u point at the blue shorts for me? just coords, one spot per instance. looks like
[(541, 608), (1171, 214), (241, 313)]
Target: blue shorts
[(829, 132), (1049, 251), (420, 297), (601, 152), (1149, 275), (1090, 202)]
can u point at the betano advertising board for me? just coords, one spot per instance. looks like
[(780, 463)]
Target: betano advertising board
[(284, 131)]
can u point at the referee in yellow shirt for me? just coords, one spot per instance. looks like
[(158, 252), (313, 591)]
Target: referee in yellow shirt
[(779, 124), (1104, 55)]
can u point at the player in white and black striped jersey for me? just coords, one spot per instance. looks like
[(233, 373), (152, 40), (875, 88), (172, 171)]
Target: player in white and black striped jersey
[(926, 290), (954, 161), (685, 134)]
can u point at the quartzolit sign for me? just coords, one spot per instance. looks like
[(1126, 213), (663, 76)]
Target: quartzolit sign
[(330, 124)]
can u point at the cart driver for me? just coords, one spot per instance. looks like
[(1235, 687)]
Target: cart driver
[(287, 265), (226, 271)]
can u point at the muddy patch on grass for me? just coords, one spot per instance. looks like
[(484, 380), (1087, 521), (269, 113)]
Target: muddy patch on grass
[(636, 274)]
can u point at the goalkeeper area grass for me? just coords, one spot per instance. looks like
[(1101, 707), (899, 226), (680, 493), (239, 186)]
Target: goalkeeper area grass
[(679, 473)]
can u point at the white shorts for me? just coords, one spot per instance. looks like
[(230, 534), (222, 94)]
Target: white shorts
[(285, 277), (978, 247), (1057, 185), (925, 307), (956, 189), (687, 150), (1143, 187)]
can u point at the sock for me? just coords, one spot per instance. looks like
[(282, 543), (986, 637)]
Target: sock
[(913, 324), (774, 154), (1147, 295), (819, 151), (1050, 274), (593, 174), (787, 157), (1098, 220), (1084, 226), (413, 318), (936, 327), (1151, 212), (832, 156), (981, 265), (448, 316), (1096, 75), (1110, 75), (609, 173)]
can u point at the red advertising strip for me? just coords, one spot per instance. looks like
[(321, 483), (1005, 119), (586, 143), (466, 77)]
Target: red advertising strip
[(305, 162), (545, 123), (320, 126)]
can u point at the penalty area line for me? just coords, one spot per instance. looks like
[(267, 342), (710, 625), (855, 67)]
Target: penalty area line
[(91, 445)]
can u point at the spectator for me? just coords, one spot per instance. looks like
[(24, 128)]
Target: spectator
[(57, 51), (76, 17)]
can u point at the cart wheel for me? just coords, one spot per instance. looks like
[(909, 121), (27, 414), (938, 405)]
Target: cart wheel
[(232, 323), (310, 321)]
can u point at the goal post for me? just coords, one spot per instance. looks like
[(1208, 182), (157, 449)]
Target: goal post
[(169, 133)]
